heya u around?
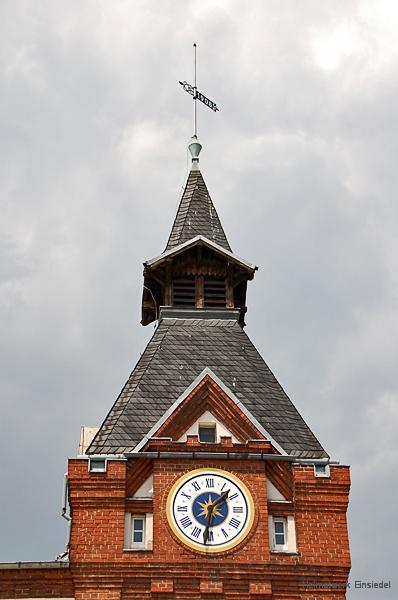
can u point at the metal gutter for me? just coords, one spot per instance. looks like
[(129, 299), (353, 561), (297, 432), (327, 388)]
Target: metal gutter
[(214, 455), (234, 456), (102, 456)]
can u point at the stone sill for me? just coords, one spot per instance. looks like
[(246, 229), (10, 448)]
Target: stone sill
[(284, 552), (137, 549)]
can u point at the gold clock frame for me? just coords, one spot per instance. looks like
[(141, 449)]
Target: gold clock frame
[(200, 547)]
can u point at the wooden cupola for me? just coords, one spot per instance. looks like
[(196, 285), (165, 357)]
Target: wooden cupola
[(196, 274), (197, 270)]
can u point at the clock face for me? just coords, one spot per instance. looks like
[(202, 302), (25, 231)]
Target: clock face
[(203, 491)]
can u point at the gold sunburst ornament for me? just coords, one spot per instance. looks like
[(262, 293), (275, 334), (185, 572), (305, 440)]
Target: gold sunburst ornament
[(206, 506)]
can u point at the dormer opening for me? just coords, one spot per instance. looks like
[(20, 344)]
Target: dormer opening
[(199, 292), (214, 292), (184, 292)]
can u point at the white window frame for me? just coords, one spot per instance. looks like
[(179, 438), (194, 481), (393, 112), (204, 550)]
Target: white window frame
[(134, 544), (147, 542), (290, 534), (92, 462), (325, 473), (208, 425), (281, 547)]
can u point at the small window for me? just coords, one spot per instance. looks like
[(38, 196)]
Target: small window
[(207, 433), (138, 531), (321, 470), (280, 534), (97, 465)]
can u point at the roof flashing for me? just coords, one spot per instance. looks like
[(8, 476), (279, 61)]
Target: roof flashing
[(225, 314)]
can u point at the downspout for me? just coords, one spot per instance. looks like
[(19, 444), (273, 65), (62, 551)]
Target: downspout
[(65, 555)]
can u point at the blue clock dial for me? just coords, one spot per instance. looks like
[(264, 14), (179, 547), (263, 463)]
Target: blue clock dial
[(201, 507)]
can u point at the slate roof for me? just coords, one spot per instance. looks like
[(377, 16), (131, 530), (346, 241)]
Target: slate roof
[(196, 215), (177, 353)]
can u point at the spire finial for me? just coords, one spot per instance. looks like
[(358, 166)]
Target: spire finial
[(195, 147), (195, 96)]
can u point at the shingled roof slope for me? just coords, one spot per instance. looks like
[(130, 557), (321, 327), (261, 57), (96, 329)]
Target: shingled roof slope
[(196, 215), (177, 353)]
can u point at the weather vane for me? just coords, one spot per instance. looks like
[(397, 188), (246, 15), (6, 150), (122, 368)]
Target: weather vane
[(193, 91)]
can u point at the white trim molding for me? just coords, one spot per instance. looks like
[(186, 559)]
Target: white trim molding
[(192, 242)]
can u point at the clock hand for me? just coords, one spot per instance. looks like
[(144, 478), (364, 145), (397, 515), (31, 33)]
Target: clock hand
[(208, 521), (220, 500), (210, 509)]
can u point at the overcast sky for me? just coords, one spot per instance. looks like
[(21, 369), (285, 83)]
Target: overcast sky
[(301, 163)]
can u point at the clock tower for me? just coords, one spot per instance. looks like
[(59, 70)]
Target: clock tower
[(203, 481)]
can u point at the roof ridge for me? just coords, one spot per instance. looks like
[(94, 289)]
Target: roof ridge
[(148, 355), (195, 186), (196, 215), (281, 386), (186, 197)]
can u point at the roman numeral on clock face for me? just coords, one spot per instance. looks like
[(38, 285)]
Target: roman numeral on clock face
[(186, 522), (234, 523), (187, 507), (196, 531)]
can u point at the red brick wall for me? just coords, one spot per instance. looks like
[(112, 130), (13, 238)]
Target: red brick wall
[(321, 527), (173, 571), (36, 583), (252, 549), (97, 508), (102, 570)]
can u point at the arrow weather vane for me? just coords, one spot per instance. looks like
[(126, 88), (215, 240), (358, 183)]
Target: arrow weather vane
[(193, 91)]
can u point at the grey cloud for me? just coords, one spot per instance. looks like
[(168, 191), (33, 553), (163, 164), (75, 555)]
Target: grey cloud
[(301, 165)]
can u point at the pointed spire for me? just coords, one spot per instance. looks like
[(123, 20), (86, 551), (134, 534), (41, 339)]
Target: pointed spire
[(196, 214)]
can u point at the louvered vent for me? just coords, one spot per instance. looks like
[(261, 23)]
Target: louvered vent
[(184, 292), (214, 292)]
